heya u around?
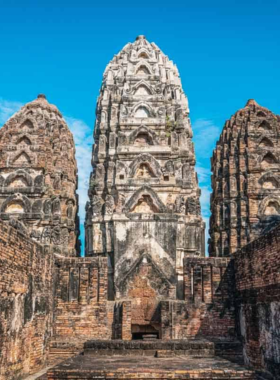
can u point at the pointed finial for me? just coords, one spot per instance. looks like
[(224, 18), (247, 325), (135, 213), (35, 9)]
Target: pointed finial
[(251, 102), (41, 96), (140, 37)]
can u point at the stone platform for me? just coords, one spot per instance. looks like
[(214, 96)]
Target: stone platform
[(175, 359), (85, 367), (154, 348)]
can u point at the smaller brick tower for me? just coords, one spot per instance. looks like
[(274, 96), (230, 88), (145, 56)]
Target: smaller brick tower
[(246, 179), (38, 176)]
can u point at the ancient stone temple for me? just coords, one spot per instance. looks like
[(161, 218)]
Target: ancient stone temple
[(144, 302), (38, 176), (246, 179), (144, 210)]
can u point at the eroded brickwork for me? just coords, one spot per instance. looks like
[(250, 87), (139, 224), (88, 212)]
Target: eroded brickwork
[(257, 277), (246, 194), (208, 309), (80, 299), (26, 299), (38, 176)]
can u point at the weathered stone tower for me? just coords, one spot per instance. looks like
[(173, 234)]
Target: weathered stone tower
[(246, 179), (144, 210), (38, 176)]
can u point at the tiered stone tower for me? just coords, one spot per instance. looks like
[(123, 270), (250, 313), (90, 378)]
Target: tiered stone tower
[(144, 210), (38, 176), (246, 179)]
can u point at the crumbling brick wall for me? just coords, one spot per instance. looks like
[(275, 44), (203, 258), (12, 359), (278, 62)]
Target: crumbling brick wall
[(209, 293), (25, 303), (258, 295), (81, 299)]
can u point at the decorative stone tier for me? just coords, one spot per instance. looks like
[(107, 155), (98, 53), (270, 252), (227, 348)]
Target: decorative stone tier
[(117, 367)]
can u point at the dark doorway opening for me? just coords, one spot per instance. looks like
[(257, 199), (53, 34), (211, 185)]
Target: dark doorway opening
[(144, 332), (145, 336)]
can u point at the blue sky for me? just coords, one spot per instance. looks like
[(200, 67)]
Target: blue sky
[(226, 51)]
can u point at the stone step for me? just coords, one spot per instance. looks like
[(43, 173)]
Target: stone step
[(61, 350), (150, 336), (230, 350)]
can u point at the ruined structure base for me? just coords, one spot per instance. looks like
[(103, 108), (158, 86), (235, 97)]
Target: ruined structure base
[(137, 367), (154, 348), (174, 359)]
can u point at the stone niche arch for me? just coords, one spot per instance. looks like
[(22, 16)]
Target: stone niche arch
[(144, 199), (270, 206), (146, 159), (266, 143), (142, 110), (264, 125), (143, 68), (28, 124), (16, 204), (261, 114), (145, 259), (24, 140), (148, 135), (22, 159), (269, 181), (143, 54), (145, 284), (20, 178), (142, 88), (268, 160)]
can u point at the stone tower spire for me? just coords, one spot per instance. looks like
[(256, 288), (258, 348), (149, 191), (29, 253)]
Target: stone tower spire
[(246, 179), (144, 209), (38, 176)]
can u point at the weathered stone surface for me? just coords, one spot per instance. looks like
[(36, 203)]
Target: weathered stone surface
[(38, 176), (144, 211), (209, 294), (26, 303), (258, 301), (245, 202), (80, 300), (83, 367)]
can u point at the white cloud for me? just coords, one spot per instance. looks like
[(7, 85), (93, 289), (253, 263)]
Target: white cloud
[(206, 133), (7, 109), (205, 200), (203, 174), (83, 142)]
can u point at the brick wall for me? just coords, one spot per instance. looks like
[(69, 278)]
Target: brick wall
[(258, 298), (81, 299), (209, 294), (25, 303)]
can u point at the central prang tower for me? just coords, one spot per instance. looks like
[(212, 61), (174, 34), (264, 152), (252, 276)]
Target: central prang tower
[(144, 209)]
